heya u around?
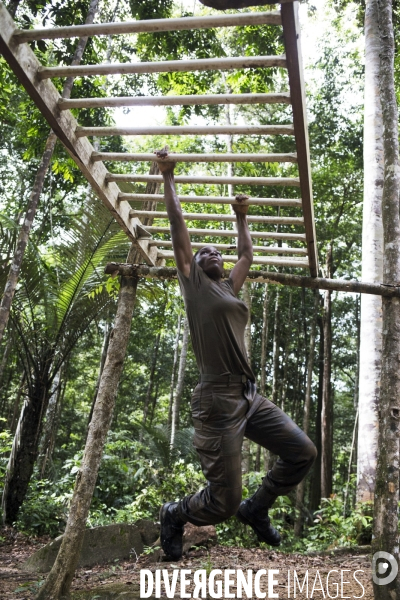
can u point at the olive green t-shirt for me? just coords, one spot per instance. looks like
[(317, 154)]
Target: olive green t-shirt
[(217, 320)]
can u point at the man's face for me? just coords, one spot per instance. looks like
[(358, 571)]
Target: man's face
[(210, 260)]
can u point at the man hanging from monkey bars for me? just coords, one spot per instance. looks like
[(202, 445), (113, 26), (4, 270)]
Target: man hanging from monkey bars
[(225, 404)]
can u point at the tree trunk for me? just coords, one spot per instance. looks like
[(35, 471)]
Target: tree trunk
[(151, 378), (103, 356), (275, 349), (315, 497), (288, 339), (386, 511), (179, 383), (246, 448), (372, 263), (16, 263), (59, 580), (25, 446), (264, 340), (307, 409), (17, 402), (174, 363), (49, 424), (327, 408)]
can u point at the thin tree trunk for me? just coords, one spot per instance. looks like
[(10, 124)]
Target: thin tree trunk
[(151, 378), (174, 363), (275, 348), (246, 448), (23, 238), (307, 409), (179, 383), (17, 402), (264, 340), (288, 339), (59, 580), (315, 498), (372, 262), (327, 408), (386, 510), (349, 467), (49, 424)]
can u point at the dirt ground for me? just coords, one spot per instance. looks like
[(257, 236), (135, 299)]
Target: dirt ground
[(120, 580)]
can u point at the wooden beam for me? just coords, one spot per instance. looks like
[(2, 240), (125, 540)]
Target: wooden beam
[(260, 235), (165, 66), (187, 130), (25, 66), (266, 249), (284, 202), (203, 158), (221, 217), (257, 260), (152, 25), (184, 100), (271, 181), (318, 283), (291, 33)]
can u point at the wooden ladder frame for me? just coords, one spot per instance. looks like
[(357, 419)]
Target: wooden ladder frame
[(36, 80)]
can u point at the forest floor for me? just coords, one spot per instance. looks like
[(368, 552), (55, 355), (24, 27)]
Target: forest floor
[(120, 580)]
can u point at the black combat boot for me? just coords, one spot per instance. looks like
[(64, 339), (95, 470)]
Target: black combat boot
[(254, 512), (171, 530)]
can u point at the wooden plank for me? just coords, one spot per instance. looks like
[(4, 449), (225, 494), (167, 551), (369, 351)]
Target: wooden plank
[(221, 217), (187, 130), (274, 181), (291, 32), (284, 202), (25, 65), (266, 249), (257, 260), (188, 158), (260, 235), (184, 100), (151, 25), (165, 66)]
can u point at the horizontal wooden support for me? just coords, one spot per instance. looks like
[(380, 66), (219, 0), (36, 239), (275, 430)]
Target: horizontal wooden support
[(184, 100), (284, 202), (266, 249), (318, 283), (260, 235), (196, 158), (165, 66), (187, 130), (257, 260), (155, 214), (271, 181), (151, 25), (25, 65)]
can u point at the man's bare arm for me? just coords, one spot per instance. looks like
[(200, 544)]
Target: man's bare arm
[(179, 233), (245, 246)]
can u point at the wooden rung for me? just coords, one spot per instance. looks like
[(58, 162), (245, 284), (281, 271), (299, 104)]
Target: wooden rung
[(209, 99), (206, 158), (292, 181), (261, 235), (151, 25), (155, 214), (187, 130), (213, 200), (257, 260), (266, 249), (165, 66)]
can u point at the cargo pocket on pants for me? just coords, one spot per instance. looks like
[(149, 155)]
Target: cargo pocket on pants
[(209, 449)]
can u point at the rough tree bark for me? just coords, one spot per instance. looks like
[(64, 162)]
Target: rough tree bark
[(58, 582), (327, 408), (16, 263), (372, 263), (180, 381), (174, 363), (386, 511)]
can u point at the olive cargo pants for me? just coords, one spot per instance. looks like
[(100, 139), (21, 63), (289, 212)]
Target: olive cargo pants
[(222, 415)]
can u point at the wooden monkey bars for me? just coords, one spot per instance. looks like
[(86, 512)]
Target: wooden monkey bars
[(298, 228)]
